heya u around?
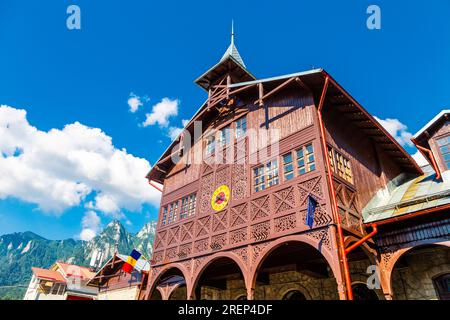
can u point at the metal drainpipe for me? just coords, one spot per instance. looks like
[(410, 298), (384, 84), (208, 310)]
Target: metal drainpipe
[(364, 239), (337, 219)]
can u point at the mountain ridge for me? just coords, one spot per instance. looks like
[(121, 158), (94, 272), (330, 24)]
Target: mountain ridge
[(20, 251)]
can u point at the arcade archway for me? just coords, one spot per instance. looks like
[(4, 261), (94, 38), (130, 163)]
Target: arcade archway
[(170, 285), (294, 270), (220, 279), (420, 274)]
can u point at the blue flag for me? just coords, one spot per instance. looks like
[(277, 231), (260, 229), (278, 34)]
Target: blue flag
[(312, 204)]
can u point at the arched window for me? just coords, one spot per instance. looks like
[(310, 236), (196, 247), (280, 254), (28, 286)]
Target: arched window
[(294, 295), (362, 292), (442, 285)]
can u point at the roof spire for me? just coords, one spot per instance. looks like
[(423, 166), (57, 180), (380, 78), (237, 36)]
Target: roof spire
[(232, 50), (232, 32)]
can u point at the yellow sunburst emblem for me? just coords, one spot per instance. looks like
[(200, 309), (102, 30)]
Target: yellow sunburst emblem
[(220, 198)]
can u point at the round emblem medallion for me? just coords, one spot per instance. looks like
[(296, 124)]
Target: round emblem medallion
[(220, 198)]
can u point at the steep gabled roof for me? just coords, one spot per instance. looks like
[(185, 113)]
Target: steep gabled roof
[(50, 275), (232, 51), (431, 123), (342, 100)]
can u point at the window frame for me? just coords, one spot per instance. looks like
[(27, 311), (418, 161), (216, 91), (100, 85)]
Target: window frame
[(266, 169), (242, 120), (446, 163), (340, 165)]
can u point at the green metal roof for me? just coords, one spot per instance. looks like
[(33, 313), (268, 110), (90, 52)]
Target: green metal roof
[(407, 194)]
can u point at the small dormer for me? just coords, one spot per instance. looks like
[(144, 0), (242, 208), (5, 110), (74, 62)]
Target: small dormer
[(433, 141)]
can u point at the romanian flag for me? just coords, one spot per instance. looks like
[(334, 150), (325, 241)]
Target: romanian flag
[(129, 265)]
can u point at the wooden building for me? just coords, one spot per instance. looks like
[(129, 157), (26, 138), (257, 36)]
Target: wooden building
[(237, 225), (62, 281), (113, 283)]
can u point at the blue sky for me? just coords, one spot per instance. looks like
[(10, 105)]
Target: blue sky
[(155, 49)]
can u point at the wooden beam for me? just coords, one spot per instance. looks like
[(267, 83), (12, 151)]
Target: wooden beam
[(302, 84), (242, 89), (281, 86)]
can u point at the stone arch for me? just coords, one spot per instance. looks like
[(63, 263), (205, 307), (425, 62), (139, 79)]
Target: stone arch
[(294, 287), (153, 284), (388, 268), (333, 263), (207, 261)]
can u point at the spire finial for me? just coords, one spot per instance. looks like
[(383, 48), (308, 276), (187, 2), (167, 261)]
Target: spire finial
[(232, 31)]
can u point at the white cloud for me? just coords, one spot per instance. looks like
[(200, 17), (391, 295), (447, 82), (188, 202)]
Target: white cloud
[(398, 130), (135, 101), (58, 169), (420, 159), (91, 226), (174, 132), (161, 112)]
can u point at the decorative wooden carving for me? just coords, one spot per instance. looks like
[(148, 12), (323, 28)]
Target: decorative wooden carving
[(284, 200), (239, 215), (285, 223), (260, 208)]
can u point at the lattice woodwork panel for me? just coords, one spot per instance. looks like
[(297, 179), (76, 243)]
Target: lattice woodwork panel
[(242, 253), (311, 187), (218, 241), (322, 236), (257, 249), (222, 177), (285, 223), (187, 231), (261, 231), (239, 235), (201, 245), (260, 207), (239, 181), (284, 200), (173, 235), (202, 226), (208, 165), (207, 190), (160, 240), (238, 215), (158, 256), (343, 216), (171, 254), (220, 221), (353, 222), (321, 217), (184, 250)]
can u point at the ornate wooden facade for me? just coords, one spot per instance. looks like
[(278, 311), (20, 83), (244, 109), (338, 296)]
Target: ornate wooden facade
[(194, 241)]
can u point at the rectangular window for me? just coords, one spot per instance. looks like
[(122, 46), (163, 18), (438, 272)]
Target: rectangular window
[(305, 159), (266, 176), (184, 208), (210, 145), (288, 167), (164, 216), (187, 208), (241, 127), (259, 178), (340, 165), (192, 205), (444, 148), (173, 212), (225, 136), (272, 173)]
